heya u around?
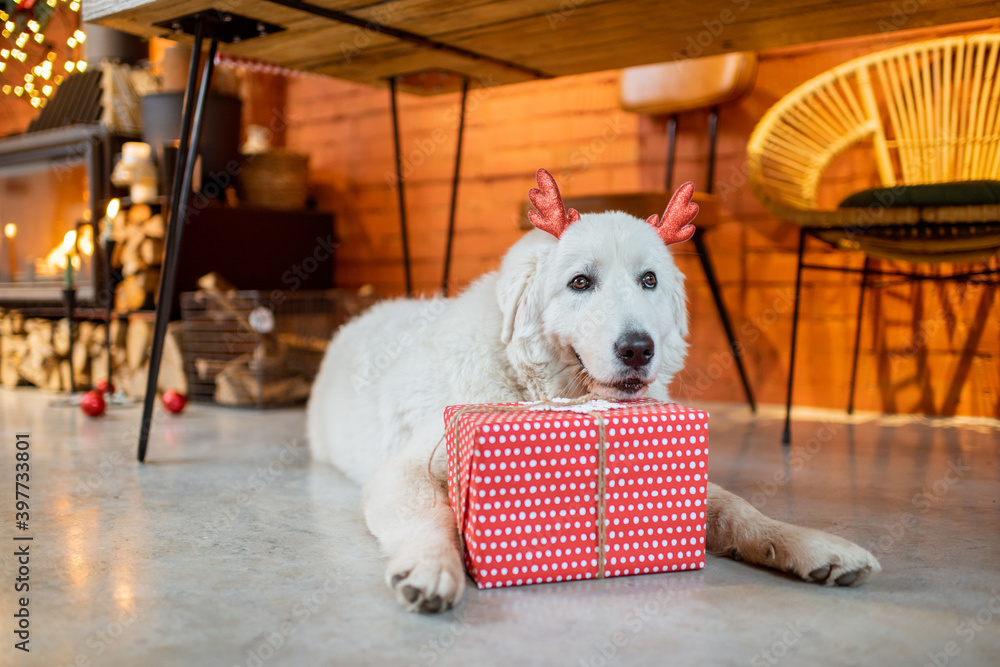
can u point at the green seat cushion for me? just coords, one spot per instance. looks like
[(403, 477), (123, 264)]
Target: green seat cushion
[(964, 193)]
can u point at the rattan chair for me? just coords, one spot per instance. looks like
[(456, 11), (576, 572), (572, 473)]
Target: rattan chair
[(929, 112)]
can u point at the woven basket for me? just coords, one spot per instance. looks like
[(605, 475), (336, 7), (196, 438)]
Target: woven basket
[(277, 179)]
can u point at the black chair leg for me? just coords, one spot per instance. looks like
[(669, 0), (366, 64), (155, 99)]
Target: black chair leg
[(786, 437), (191, 123), (720, 306), (400, 184), (857, 336), (454, 190), (668, 178)]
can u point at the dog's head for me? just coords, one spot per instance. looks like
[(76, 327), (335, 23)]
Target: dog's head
[(595, 303)]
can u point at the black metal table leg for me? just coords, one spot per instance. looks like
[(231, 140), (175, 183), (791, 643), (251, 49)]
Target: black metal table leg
[(857, 336), (194, 107), (713, 137), (69, 296), (720, 306), (400, 196), (786, 437), (109, 248), (454, 189)]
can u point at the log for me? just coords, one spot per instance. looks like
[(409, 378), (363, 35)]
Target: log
[(118, 329), (37, 369), (154, 228), (214, 282), (118, 227), (151, 252), (84, 332), (61, 337), (61, 381), (93, 338), (134, 291), (98, 367), (135, 383), (81, 365), (40, 338), (12, 323), (137, 342), (131, 260), (12, 351), (172, 374), (261, 379), (139, 213), (237, 385), (207, 369)]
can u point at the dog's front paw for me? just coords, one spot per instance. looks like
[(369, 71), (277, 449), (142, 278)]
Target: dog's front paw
[(428, 582), (823, 558)]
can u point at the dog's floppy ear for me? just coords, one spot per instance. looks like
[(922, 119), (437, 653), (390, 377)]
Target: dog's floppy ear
[(517, 285)]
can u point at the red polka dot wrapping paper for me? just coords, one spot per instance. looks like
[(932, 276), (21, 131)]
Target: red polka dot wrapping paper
[(523, 486)]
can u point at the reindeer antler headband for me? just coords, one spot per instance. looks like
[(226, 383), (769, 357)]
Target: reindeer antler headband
[(552, 217)]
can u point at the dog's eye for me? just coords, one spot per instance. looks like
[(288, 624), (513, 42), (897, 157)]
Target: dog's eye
[(649, 280), (580, 283)]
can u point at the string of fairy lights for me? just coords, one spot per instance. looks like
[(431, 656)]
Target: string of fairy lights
[(30, 66)]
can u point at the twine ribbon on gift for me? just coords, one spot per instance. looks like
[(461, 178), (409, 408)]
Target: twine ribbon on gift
[(464, 485)]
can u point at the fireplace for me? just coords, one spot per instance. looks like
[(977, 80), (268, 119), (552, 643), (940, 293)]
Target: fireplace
[(53, 189)]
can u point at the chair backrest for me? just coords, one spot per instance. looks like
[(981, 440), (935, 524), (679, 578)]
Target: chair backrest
[(930, 110), (684, 85)]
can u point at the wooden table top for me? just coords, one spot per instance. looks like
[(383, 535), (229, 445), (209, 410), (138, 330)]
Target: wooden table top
[(506, 41)]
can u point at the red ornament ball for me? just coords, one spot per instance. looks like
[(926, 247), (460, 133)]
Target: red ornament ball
[(105, 387), (174, 401), (92, 403)]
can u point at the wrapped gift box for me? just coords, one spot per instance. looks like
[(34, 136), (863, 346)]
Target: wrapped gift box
[(523, 480)]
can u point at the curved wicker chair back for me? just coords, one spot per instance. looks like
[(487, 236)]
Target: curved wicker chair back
[(931, 111)]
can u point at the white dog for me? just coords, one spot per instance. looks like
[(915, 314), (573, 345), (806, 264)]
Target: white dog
[(590, 303)]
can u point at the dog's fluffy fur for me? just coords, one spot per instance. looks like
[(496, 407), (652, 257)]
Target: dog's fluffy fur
[(522, 333)]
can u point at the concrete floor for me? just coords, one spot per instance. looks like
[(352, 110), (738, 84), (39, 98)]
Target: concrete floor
[(231, 548)]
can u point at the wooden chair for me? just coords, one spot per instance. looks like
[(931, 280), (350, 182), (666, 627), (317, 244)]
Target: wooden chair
[(929, 113), (672, 89)]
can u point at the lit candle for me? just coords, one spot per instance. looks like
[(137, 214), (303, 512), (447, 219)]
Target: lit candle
[(9, 232), (109, 220)]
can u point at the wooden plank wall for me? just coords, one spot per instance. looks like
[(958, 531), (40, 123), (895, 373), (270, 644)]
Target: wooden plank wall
[(931, 348)]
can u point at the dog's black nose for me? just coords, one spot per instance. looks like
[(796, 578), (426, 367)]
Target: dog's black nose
[(635, 349)]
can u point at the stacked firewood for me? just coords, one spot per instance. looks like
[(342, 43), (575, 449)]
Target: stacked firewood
[(37, 351), (138, 253)]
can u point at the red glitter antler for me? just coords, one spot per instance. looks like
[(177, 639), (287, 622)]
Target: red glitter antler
[(551, 216), (676, 227)]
